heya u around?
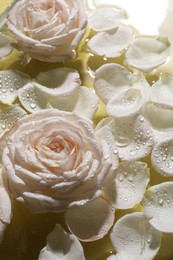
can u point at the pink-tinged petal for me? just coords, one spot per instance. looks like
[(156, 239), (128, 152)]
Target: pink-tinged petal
[(126, 186), (91, 221), (134, 236), (61, 245), (158, 206)]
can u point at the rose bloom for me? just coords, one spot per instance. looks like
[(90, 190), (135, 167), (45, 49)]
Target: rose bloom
[(48, 30), (53, 160)]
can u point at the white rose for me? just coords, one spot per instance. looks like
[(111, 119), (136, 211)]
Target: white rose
[(54, 160), (48, 30)]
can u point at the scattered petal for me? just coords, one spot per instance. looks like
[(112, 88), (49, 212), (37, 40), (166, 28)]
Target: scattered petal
[(87, 103), (5, 47), (162, 157), (61, 245), (147, 54), (9, 116), (160, 118), (122, 256), (158, 206), (10, 82), (106, 18), (162, 92), (111, 44), (91, 221), (133, 235), (127, 185)]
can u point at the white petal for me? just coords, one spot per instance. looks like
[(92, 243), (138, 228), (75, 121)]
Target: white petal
[(5, 47), (106, 18), (87, 103), (133, 235), (158, 206), (9, 116), (127, 184), (10, 82), (134, 138), (112, 79), (162, 157), (147, 54), (33, 97), (160, 118), (122, 256), (91, 221), (162, 92), (111, 44), (61, 245)]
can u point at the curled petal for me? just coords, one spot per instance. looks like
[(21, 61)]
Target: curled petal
[(158, 206), (111, 44), (126, 186), (133, 235), (5, 47), (147, 54), (162, 157), (91, 221), (106, 18), (61, 245)]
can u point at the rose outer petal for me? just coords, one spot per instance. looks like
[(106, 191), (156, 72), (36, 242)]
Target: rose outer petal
[(91, 221)]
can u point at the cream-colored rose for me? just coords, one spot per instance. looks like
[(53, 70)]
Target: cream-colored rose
[(54, 160), (48, 30)]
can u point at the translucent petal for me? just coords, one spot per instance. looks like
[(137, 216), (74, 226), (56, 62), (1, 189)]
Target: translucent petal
[(147, 54), (158, 206), (61, 245), (106, 18), (111, 44), (162, 92), (87, 103), (162, 157), (133, 235), (127, 185), (5, 47), (10, 82), (91, 221)]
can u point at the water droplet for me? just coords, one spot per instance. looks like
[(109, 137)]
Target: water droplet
[(33, 106)]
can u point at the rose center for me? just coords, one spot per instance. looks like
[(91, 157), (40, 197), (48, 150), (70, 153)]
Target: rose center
[(56, 147)]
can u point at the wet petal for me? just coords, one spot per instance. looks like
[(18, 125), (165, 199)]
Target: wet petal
[(10, 82), (147, 54), (127, 185), (162, 157), (133, 235), (111, 44), (158, 206), (87, 103), (106, 18), (91, 221), (61, 245), (5, 47), (162, 92)]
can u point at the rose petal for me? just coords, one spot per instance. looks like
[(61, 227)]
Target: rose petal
[(61, 245), (106, 18), (91, 221), (147, 54), (134, 235), (122, 256), (127, 185), (162, 92), (9, 116), (113, 79), (5, 47), (160, 118), (162, 157), (87, 103), (158, 206), (111, 44), (10, 82)]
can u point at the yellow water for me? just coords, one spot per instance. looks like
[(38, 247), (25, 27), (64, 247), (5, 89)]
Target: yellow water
[(26, 234)]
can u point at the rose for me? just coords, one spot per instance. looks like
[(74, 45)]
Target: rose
[(54, 160), (48, 30)]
